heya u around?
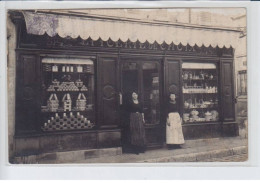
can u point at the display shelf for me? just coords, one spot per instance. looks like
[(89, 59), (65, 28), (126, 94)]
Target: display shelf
[(70, 91), (209, 69), (200, 79), (62, 111), (199, 93), (199, 122), (202, 108)]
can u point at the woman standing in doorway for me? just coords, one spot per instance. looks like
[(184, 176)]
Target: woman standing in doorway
[(174, 135), (137, 130)]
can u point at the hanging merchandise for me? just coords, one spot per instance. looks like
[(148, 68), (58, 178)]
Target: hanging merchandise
[(81, 102), (53, 103), (66, 100)]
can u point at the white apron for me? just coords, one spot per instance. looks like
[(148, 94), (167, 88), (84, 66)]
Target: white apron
[(174, 133)]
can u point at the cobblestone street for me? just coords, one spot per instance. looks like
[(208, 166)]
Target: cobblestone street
[(234, 158)]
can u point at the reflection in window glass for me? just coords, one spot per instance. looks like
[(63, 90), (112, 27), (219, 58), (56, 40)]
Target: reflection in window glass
[(151, 93), (129, 80)]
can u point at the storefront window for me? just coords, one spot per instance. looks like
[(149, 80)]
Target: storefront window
[(151, 93), (242, 82), (200, 92), (67, 94)]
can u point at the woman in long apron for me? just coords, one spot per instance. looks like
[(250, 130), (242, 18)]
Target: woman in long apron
[(174, 135), (137, 130)]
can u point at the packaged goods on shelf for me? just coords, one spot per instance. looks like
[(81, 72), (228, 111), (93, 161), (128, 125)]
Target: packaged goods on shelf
[(79, 83), (67, 122), (66, 100), (79, 68), (67, 86), (51, 88), (81, 102), (84, 88), (55, 83), (53, 103), (54, 68)]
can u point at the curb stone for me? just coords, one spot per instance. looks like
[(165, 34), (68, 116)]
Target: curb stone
[(198, 157)]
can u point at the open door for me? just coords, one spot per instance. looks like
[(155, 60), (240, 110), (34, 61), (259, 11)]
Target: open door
[(143, 77)]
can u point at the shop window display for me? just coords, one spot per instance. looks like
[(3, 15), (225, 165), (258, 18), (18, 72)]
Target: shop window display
[(242, 82), (67, 94), (200, 92), (151, 93)]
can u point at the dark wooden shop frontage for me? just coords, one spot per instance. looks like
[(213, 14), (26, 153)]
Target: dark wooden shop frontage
[(70, 92)]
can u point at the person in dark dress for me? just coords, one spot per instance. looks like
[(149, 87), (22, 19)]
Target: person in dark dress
[(136, 125), (174, 135)]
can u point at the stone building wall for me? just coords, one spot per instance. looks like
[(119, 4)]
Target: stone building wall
[(11, 57)]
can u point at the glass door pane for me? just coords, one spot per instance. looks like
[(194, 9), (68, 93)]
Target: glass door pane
[(129, 80), (151, 93)]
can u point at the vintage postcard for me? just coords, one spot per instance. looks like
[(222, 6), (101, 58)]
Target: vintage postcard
[(127, 85)]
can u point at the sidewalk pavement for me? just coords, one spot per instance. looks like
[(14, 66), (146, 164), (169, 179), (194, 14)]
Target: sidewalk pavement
[(192, 151)]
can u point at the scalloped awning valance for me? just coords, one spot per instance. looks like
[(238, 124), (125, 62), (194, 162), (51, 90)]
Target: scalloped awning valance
[(75, 26)]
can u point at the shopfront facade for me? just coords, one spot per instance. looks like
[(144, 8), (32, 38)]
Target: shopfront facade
[(71, 90)]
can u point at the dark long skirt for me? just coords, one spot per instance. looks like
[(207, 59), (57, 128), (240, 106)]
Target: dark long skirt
[(137, 130)]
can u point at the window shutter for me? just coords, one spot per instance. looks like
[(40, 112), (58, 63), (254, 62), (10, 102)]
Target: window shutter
[(108, 98), (26, 94), (227, 90), (172, 78)]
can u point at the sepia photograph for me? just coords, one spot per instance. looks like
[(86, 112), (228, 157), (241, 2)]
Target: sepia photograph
[(127, 85)]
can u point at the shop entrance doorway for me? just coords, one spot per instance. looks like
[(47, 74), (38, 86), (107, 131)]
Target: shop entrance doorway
[(143, 78)]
